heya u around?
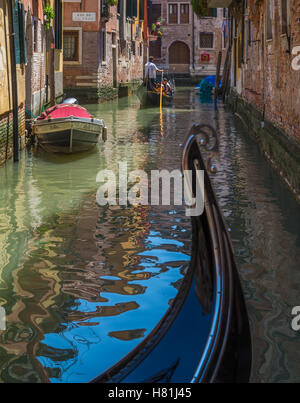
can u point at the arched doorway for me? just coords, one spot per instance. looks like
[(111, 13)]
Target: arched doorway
[(179, 57)]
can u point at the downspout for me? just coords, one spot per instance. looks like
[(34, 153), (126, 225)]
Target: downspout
[(193, 39), (14, 82), (243, 32)]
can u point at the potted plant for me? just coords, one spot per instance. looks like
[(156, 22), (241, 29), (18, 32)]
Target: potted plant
[(157, 27)]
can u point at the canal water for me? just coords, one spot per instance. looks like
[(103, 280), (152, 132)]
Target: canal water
[(82, 285)]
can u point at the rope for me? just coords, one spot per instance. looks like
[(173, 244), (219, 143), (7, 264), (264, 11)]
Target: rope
[(30, 114)]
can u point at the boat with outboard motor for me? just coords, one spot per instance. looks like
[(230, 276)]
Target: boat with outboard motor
[(68, 128)]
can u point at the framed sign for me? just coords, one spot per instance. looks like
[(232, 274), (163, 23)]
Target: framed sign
[(83, 17)]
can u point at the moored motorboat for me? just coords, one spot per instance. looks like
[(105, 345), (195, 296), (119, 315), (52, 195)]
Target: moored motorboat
[(68, 128)]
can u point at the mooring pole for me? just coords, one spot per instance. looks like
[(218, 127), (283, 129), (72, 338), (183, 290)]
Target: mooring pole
[(14, 82)]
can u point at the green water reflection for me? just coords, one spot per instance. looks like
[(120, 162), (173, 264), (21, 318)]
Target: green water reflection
[(82, 285)]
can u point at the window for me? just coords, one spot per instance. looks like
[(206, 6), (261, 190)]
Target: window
[(103, 46), (155, 48), (249, 32), (133, 48), (284, 16), (206, 40), (212, 12), (269, 34), (71, 46), (155, 13), (58, 24), (173, 14), (184, 13), (35, 35)]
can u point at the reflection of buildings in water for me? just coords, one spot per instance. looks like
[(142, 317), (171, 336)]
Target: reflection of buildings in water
[(267, 262), (128, 335)]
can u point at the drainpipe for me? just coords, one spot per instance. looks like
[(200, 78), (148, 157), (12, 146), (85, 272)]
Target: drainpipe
[(243, 32), (193, 39), (14, 82)]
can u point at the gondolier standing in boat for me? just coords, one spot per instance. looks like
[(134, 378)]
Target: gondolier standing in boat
[(150, 73)]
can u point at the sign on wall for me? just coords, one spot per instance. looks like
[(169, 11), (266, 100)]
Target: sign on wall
[(83, 17)]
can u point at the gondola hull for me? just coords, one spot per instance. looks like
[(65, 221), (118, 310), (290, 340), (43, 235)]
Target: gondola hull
[(205, 335), (152, 98)]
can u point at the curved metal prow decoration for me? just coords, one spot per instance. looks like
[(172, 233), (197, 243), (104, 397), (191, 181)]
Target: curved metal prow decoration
[(205, 332), (230, 314)]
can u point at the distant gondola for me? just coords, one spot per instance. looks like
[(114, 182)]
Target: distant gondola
[(152, 96), (205, 335)]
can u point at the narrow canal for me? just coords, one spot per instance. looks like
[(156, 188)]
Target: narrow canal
[(82, 284)]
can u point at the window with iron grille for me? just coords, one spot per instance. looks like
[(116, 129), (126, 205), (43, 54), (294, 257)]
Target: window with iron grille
[(206, 40), (173, 13), (71, 46)]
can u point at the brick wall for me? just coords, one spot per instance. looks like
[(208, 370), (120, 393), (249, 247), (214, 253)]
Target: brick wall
[(191, 38), (6, 133), (267, 79), (94, 75)]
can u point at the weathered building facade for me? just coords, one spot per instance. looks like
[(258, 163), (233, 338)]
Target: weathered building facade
[(44, 66), (27, 82), (265, 79), (104, 46), (189, 44)]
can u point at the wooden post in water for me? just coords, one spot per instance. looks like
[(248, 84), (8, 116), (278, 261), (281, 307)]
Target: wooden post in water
[(161, 91)]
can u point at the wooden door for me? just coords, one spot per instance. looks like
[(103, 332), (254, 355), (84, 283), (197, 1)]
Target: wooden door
[(179, 57)]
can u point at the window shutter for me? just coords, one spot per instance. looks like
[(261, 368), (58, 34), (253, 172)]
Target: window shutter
[(17, 32), (142, 10), (131, 8), (58, 24), (22, 34)]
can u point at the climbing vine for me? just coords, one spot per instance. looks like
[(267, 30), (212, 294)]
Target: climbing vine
[(48, 15), (111, 2), (200, 7)]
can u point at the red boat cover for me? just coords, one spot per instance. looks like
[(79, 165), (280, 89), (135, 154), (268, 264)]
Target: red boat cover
[(64, 111)]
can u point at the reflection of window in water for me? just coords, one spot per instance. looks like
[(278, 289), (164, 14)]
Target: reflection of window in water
[(2, 318)]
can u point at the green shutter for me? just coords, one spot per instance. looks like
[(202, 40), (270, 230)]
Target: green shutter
[(134, 8), (17, 31), (142, 10), (22, 34), (58, 24), (131, 8)]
